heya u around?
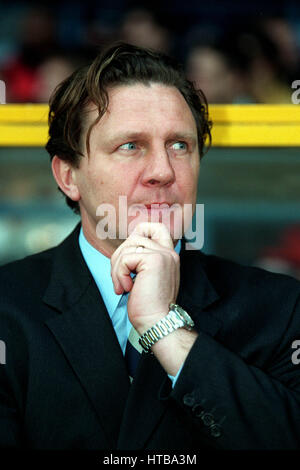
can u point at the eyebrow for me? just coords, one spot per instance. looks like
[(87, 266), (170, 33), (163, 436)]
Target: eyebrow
[(128, 136)]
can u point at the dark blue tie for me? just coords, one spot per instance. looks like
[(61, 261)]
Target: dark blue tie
[(132, 353)]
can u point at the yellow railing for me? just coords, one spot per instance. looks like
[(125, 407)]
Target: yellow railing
[(233, 125)]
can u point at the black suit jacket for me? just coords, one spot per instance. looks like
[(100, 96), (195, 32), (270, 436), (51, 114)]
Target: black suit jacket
[(65, 384)]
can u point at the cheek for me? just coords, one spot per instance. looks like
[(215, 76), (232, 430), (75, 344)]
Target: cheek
[(195, 166), (91, 188), (187, 180), (98, 177), (126, 180)]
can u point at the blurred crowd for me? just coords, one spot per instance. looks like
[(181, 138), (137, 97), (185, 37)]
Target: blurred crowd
[(249, 59)]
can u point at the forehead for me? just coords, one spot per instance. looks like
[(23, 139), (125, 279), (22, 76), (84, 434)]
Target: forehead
[(153, 108)]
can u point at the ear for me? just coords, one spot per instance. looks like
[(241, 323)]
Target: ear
[(65, 177)]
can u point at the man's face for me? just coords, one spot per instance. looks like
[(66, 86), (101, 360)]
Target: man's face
[(145, 148)]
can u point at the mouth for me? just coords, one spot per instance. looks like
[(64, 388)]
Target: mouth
[(163, 212), (156, 209), (158, 205)]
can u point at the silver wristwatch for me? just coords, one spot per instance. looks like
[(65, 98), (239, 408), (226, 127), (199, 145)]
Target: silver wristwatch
[(176, 318)]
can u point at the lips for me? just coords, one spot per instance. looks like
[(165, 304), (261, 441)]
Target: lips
[(158, 205)]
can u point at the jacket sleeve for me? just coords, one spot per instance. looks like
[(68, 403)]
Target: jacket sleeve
[(9, 425), (12, 381), (237, 405)]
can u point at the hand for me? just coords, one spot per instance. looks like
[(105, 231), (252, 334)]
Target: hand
[(155, 287), (157, 268)]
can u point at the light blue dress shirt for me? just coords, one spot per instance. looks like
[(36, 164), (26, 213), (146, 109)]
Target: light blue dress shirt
[(99, 266)]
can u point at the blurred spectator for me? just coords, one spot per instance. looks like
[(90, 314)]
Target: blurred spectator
[(282, 34), (141, 28), (210, 70), (37, 42), (256, 56), (49, 74), (283, 257)]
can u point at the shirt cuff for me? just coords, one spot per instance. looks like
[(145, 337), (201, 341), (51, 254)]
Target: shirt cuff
[(174, 378)]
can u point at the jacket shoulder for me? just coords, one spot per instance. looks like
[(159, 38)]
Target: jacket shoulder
[(27, 276), (31, 274), (228, 275)]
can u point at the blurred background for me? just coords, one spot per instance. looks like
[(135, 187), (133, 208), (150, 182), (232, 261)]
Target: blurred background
[(236, 52)]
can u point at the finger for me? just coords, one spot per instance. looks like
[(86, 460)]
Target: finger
[(131, 245), (120, 286), (121, 273), (155, 231), (134, 241)]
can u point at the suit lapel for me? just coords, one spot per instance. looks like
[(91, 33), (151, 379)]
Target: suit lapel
[(197, 294), (143, 409), (85, 334)]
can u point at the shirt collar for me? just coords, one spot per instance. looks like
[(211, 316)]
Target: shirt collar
[(99, 266)]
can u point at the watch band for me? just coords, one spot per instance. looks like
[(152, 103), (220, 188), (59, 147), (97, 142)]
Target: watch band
[(176, 318)]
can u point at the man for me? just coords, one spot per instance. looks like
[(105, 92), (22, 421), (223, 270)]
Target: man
[(219, 376)]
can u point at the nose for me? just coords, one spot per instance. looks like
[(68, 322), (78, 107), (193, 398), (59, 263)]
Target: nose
[(158, 170)]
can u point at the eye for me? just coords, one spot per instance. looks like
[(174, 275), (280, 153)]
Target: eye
[(128, 146), (179, 145)]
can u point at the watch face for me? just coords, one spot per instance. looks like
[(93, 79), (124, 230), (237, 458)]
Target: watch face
[(187, 319)]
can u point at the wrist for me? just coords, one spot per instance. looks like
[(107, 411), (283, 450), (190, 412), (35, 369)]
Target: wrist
[(172, 350), (175, 319), (144, 324)]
